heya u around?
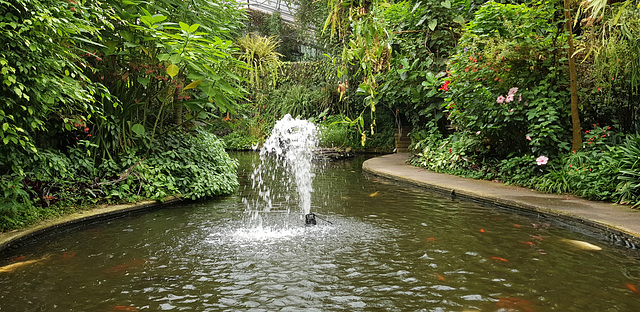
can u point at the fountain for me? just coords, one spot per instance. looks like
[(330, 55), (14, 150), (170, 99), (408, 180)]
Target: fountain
[(286, 166)]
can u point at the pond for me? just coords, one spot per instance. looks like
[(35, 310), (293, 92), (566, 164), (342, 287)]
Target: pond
[(378, 246)]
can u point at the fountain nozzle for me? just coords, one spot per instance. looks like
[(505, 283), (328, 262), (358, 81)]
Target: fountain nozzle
[(310, 219)]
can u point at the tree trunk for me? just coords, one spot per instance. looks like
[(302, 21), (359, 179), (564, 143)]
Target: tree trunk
[(575, 116), (177, 114)]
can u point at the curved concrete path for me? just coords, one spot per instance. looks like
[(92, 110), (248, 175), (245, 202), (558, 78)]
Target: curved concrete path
[(618, 223)]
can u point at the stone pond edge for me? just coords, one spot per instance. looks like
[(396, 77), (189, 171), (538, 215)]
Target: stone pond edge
[(16, 238), (611, 232)]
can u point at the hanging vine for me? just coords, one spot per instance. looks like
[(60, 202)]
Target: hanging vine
[(366, 39)]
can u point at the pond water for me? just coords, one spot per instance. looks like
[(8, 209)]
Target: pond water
[(388, 247)]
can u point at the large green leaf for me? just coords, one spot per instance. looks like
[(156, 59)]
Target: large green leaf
[(138, 129), (172, 70)]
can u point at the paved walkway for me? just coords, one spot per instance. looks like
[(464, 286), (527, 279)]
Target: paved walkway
[(618, 223)]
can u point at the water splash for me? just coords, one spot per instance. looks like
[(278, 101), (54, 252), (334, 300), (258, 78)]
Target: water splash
[(284, 176)]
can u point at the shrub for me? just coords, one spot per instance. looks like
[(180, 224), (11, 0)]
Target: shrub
[(334, 133), (507, 82), (590, 173), (192, 165), (628, 189)]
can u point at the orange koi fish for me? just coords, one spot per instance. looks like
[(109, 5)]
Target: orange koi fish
[(431, 239), (500, 259), (136, 263), (373, 194), (125, 308), (529, 243), (632, 287), (518, 304), (440, 277), (482, 231), (517, 226), (18, 258)]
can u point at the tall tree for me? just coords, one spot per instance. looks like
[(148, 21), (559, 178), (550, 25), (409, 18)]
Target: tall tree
[(576, 143)]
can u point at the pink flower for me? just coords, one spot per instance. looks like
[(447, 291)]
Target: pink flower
[(509, 98), (519, 97), (478, 133), (513, 90), (528, 138), (500, 99), (542, 160)]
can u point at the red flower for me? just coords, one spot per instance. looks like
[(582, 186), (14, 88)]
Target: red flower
[(445, 87)]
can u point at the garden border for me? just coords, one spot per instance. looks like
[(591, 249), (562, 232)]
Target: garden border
[(16, 238)]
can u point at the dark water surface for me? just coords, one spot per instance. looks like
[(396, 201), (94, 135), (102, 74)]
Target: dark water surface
[(388, 248)]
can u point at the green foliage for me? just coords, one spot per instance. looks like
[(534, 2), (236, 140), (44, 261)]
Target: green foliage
[(334, 133), (628, 156), (193, 166), (590, 173), (610, 53), (241, 139), (519, 170), (196, 166), (507, 82), (296, 100), (40, 76), (269, 25), (447, 155), (90, 86), (260, 53)]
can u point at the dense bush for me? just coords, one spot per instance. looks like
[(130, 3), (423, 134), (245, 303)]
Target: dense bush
[(506, 100), (507, 82), (192, 166)]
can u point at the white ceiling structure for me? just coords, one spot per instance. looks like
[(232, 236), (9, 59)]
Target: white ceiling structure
[(269, 6)]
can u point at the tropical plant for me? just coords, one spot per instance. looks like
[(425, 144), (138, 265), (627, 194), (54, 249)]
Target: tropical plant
[(261, 56), (628, 190), (610, 52), (507, 84)]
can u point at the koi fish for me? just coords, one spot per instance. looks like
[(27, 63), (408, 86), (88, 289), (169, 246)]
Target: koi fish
[(136, 263), (632, 287), (517, 226), (529, 243), (12, 267), (581, 244), (69, 255), (431, 239), (518, 304), (440, 277), (124, 308), (500, 259), (482, 231), (373, 194), (18, 258), (538, 237)]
